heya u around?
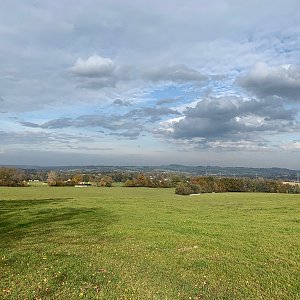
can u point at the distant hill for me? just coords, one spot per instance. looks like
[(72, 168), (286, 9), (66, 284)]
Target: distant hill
[(280, 173)]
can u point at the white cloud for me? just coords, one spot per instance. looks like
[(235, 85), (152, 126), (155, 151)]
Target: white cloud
[(168, 125), (94, 66), (250, 120)]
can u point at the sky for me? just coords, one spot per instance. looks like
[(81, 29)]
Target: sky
[(119, 82)]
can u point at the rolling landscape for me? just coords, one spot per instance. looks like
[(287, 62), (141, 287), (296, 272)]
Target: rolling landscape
[(143, 239), (149, 150), (272, 173)]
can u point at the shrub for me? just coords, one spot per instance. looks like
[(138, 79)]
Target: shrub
[(187, 188)]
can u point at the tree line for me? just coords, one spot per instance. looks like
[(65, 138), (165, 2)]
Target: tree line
[(183, 184), (222, 185), (59, 179), (143, 180)]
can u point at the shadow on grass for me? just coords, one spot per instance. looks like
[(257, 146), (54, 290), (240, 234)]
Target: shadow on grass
[(38, 219)]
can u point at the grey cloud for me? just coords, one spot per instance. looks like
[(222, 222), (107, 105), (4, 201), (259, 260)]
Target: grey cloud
[(153, 113), (130, 124), (232, 119), (225, 108), (120, 102), (58, 123), (29, 124), (129, 134), (52, 124), (166, 101), (271, 108), (282, 81), (113, 123), (174, 73), (40, 138)]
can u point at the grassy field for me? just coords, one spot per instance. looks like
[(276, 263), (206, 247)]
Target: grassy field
[(139, 243)]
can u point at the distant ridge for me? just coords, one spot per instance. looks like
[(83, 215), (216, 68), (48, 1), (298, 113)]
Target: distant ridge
[(280, 173)]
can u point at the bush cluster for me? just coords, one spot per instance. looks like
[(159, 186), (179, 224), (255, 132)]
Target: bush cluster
[(187, 188)]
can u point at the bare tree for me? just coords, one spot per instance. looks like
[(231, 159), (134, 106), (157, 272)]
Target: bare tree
[(53, 178)]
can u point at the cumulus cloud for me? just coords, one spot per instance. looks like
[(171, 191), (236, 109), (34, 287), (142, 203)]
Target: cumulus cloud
[(282, 81), (93, 66), (215, 121), (98, 72)]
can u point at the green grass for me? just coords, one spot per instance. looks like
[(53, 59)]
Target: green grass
[(139, 243)]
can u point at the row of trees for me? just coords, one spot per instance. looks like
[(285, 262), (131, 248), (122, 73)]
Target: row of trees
[(59, 179), (183, 185), (221, 185), (76, 177), (153, 181)]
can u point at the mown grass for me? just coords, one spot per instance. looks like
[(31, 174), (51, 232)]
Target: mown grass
[(139, 243)]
